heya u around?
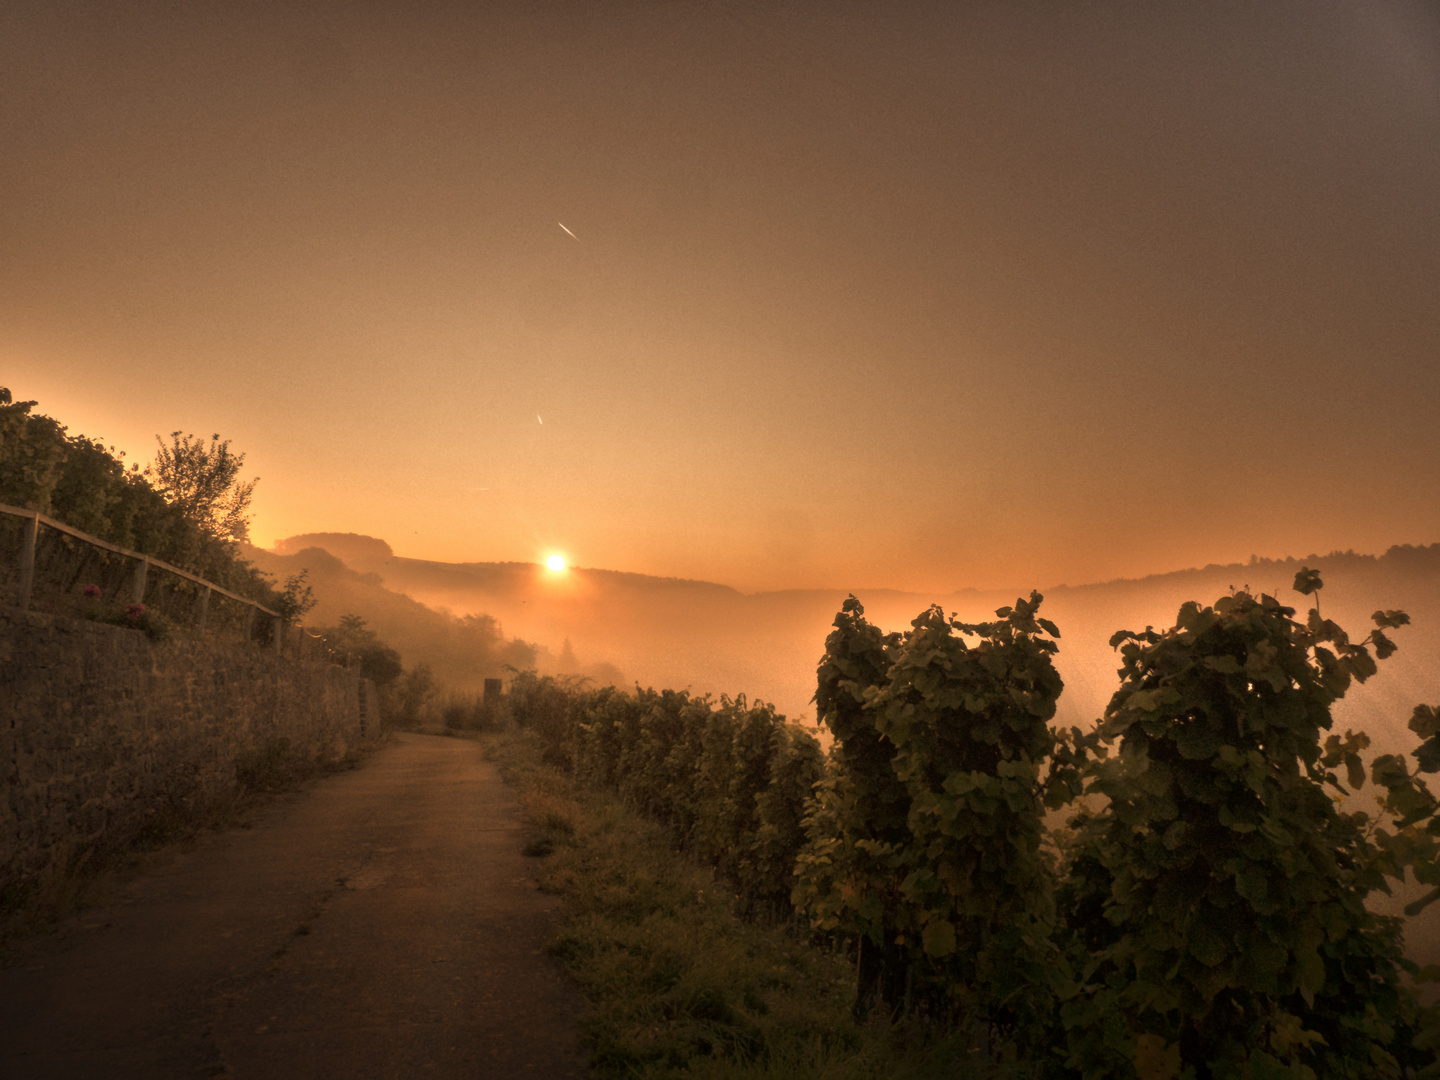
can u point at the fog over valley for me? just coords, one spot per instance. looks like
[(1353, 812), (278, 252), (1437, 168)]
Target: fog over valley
[(665, 632)]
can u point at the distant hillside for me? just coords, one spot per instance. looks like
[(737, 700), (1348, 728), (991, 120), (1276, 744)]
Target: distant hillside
[(462, 651), (675, 632)]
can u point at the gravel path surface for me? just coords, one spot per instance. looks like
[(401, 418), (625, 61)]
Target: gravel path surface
[(381, 923)]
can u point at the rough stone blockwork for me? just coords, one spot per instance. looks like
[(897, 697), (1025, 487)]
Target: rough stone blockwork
[(105, 735)]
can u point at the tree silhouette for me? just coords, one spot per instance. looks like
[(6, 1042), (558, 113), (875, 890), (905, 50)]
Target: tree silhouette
[(203, 481)]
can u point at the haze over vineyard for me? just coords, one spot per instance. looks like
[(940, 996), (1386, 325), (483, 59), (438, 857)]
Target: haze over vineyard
[(715, 639)]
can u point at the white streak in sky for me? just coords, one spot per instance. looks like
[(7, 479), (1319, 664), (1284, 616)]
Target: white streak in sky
[(572, 235), (537, 417)]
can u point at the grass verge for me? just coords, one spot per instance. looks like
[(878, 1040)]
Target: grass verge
[(679, 985)]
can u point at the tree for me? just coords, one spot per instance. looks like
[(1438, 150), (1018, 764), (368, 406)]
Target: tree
[(378, 662), (203, 480), (33, 449), (414, 690)]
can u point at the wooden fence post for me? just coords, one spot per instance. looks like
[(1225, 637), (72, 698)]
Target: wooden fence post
[(30, 532), (137, 590), (25, 582)]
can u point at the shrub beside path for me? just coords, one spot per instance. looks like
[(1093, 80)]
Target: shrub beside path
[(381, 923)]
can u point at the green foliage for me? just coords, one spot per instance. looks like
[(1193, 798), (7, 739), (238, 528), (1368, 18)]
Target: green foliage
[(604, 723), (86, 485), (1207, 917), (33, 449), (849, 876), (412, 692), (542, 704), (138, 617), (471, 712), (378, 662), (296, 598), (678, 983), (927, 840), (970, 729), (1216, 902), (203, 482), (731, 781), (786, 764)]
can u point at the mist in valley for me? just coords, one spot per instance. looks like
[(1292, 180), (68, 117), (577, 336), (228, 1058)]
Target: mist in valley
[(710, 638)]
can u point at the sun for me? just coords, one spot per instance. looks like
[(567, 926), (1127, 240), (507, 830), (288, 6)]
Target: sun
[(555, 563)]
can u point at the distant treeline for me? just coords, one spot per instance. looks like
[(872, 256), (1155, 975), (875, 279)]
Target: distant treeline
[(1201, 913)]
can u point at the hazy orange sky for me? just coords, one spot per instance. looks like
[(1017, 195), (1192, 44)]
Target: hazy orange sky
[(922, 295)]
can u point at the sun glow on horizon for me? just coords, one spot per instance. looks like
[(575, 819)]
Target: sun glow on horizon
[(555, 563)]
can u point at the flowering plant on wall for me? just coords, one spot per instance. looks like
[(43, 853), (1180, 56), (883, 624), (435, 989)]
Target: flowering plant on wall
[(132, 616)]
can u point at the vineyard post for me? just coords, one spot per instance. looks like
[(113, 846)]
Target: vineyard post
[(29, 534), (137, 590)]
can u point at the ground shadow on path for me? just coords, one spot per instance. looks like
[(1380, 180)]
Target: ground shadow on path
[(382, 923)]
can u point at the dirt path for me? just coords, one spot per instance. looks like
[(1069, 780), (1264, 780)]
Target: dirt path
[(382, 923)]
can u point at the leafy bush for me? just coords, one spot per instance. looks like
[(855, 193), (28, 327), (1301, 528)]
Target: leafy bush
[(766, 866), (411, 696), (678, 983), (86, 485), (605, 720), (927, 841), (848, 880), (1216, 902), (471, 712), (542, 704), (351, 638), (731, 781)]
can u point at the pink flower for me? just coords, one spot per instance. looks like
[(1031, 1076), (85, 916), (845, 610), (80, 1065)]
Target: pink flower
[(92, 591), (134, 612)]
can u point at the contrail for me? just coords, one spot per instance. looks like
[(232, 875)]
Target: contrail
[(537, 415), (572, 235)]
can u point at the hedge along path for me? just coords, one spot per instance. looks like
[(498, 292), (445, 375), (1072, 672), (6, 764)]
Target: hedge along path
[(1214, 919), (1202, 916), (731, 778), (381, 923)]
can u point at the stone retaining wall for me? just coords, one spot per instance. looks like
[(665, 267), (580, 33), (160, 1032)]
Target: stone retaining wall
[(105, 736)]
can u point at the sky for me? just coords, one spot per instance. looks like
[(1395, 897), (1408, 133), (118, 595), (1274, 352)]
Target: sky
[(780, 295)]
